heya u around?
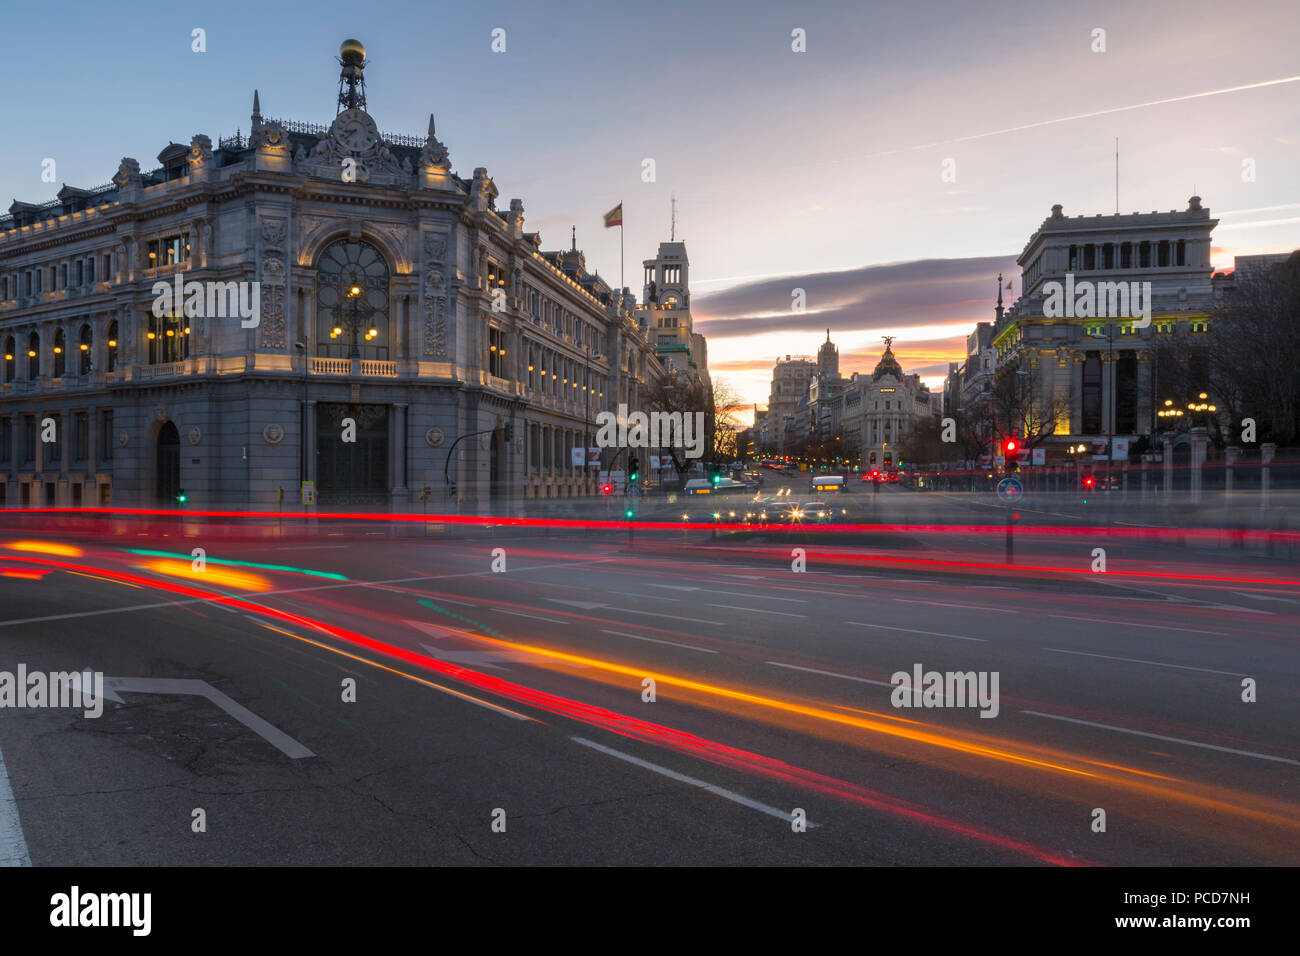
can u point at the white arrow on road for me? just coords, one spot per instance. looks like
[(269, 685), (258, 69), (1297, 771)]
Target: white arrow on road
[(113, 686)]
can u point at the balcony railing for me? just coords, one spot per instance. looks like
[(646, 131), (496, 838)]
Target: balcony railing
[(380, 369), (331, 366)]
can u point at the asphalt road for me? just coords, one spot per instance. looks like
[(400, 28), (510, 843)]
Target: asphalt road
[(501, 715)]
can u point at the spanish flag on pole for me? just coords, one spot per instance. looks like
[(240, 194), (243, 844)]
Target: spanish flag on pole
[(614, 217)]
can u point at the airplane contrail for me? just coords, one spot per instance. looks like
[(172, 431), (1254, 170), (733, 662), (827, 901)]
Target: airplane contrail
[(1079, 116)]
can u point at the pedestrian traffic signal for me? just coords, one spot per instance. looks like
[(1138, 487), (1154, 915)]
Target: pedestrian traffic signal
[(633, 469)]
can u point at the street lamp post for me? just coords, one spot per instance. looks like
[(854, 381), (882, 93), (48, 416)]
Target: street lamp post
[(302, 419), (586, 423), (352, 318)]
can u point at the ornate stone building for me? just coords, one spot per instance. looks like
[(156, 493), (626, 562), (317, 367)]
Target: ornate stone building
[(1092, 374), (399, 313), (880, 411)]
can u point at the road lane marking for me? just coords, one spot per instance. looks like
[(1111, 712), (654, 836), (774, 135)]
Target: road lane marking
[(671, 617), (655, 640), (201, 688), (1155, 627), (1136, 660), (756, 610), (1175, 740), (912, 630), (765, 597), (712, 788), (531, 617), (13, 845), (969, 607), (813, 670)]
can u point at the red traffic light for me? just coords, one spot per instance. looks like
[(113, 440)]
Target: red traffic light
[(607, 490), (1088, 482), (1011, 445)]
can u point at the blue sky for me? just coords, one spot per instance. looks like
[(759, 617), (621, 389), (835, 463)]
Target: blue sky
[(798, 165)]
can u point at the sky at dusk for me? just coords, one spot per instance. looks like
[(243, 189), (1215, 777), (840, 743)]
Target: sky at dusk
[(818, 170)]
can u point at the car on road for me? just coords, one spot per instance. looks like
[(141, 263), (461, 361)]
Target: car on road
[(821, 512)]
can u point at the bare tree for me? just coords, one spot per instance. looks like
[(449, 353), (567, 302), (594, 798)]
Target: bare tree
[(1248, 362)]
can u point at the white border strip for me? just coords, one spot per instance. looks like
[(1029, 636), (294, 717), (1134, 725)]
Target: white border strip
[(13, 845), (692, 781)]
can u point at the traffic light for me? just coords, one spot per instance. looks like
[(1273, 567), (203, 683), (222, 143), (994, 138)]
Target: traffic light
[(607, 489), (1089, 482), (1011, 446), (629, 513), (181, 497), (633, 469), (717, 478)]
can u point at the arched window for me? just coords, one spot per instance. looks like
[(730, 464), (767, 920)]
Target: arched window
[(111, 350), (34, 356), (352, 301), (84, 347), (10, 360), (60, 353)]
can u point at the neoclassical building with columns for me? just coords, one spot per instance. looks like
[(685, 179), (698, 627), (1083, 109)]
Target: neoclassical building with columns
[(1088, 378), (406, 329)]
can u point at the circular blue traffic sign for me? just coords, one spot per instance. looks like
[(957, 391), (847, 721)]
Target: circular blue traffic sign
[(1010, 490)]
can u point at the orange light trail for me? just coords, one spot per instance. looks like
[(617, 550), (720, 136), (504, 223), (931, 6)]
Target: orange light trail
[(46, 547), (217, 576)]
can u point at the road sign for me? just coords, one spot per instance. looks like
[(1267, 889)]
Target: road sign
[(309, 492), (634, 489), (1119, 449), (1040, 456), (1010, 490)]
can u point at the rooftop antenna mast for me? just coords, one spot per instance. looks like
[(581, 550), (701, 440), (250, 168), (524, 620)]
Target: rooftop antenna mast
[(673, 237), (1117, 175)]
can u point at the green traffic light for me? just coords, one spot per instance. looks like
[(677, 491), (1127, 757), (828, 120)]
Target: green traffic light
[(629, 513)]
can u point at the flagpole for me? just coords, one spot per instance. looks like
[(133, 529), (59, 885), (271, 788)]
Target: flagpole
[(620, 252)]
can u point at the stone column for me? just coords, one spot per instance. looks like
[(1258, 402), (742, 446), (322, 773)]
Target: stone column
[(92, 444), (1167, 439), (1200, 437), (1230, 456), (309, 425), (1266, 453)]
